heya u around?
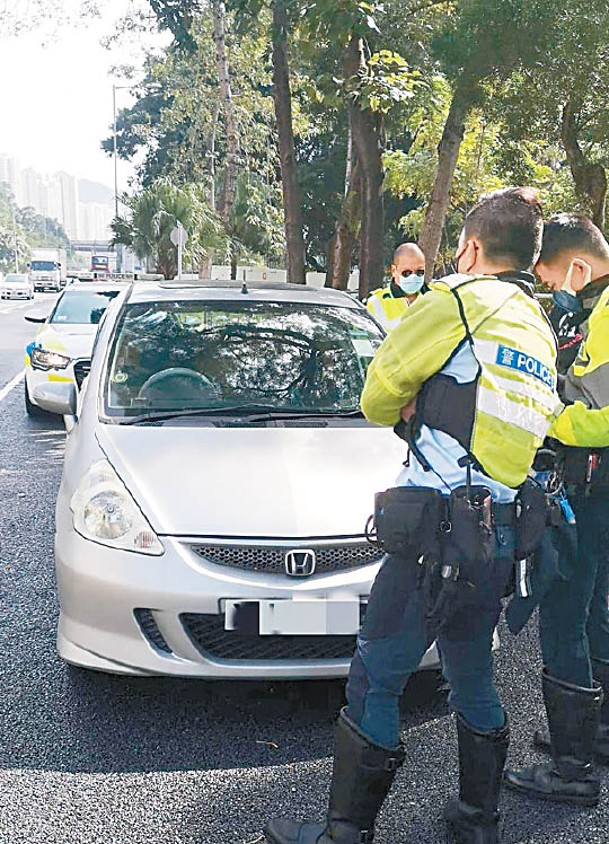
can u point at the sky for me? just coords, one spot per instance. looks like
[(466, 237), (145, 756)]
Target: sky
[(56, 93)]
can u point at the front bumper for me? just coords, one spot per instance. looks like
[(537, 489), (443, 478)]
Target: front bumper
[(16, 294), (37, 377), (128, 613), (75, 373)]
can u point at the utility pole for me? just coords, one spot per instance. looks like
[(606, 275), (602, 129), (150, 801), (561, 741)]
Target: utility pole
[(180, 248), (16, 242), (114, 149)]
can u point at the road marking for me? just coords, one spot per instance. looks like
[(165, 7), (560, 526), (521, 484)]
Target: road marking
[(14, 308), (12, 384)]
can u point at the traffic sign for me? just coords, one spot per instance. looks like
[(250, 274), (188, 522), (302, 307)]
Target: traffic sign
[(179, 235)]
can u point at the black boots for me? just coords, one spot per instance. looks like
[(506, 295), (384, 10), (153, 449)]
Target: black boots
[(541, 738), (600, 671), (573, 719), (473, 818), (362, 776)]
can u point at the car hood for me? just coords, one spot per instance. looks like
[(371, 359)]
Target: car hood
[(254, 482), (76, 341)]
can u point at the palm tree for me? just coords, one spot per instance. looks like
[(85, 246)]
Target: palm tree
[(155, 212)]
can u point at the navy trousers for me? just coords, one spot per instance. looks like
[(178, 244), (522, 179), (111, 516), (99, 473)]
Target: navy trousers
[(573, 614), (395, 635)]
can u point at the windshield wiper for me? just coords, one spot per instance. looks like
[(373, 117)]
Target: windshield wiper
[(279, 415), (244, 412), (229, 410)]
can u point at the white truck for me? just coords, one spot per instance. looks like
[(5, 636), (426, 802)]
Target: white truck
[(48, 269)]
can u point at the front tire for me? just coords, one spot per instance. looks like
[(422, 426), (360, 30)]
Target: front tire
[(32, 410)]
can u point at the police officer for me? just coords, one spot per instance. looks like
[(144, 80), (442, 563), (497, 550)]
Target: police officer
[(573, 615), (471, 367), (388, 304)]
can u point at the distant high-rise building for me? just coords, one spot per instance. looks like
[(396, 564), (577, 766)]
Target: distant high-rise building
[(9, 170), (69, 203), (94, 221), (57, 196)]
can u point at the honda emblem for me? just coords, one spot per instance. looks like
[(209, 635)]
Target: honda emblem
[(300, 563)]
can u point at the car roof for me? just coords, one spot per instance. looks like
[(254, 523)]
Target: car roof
[(265, 291)]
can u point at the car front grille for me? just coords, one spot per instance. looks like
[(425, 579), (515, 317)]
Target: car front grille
[(211, 639), (271, 558), (81, 370)]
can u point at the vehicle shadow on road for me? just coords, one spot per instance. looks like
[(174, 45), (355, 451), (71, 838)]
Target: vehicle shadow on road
[(109, 724)]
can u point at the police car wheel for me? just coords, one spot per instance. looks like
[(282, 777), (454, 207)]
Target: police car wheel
[(32, 409)]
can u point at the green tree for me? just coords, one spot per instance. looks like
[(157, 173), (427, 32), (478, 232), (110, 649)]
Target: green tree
[(153, 215), (179, 123), (563, 100), (479, 42)]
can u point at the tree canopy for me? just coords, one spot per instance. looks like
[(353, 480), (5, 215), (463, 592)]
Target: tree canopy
[(399, 116)]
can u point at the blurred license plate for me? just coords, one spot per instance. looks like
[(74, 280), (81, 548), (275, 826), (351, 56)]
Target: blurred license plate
[(294, 618)]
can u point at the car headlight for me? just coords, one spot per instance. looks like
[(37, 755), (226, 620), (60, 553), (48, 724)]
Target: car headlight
[(41, 359), (104, 511)]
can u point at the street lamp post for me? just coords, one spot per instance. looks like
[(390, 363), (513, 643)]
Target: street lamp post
[(114, 87)]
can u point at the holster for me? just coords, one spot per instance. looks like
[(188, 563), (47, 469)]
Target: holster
[(532, 516), (407, 517), (469, 541), (467, 551)]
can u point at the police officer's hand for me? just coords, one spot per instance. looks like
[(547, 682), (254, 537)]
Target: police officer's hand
[(409, 410)]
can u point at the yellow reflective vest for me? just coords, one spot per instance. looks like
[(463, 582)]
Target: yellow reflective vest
[(386, 308), (585, 421), (501, 418)]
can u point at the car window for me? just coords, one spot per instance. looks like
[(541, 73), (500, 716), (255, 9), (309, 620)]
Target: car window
[(20, 279), (286, 356), (82, 307)]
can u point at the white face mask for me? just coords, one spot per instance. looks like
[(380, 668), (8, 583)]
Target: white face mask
[(568, 286), (566, 297), (412, 282)]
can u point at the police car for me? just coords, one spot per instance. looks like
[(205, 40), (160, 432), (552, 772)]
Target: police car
[(61, 350)]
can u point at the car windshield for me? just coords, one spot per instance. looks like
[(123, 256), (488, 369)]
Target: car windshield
[(278, 356), (44, 266), (82, 307), (16, 279)]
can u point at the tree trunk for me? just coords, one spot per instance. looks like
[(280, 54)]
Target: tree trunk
[(212, 156), (232, 141), (347, 229), (367, 140), (205, 268), (282, 97), (448, 152), (589, 177)]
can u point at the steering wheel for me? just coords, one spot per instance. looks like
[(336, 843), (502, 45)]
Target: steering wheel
[(159, 384)]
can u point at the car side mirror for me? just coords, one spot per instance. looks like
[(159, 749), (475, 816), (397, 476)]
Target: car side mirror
[(32, 318), (57, 397)]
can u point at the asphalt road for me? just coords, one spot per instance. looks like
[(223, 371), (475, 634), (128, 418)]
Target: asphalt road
[(94, 759)]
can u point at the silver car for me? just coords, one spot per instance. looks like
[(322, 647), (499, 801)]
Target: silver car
[(217, 482)]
